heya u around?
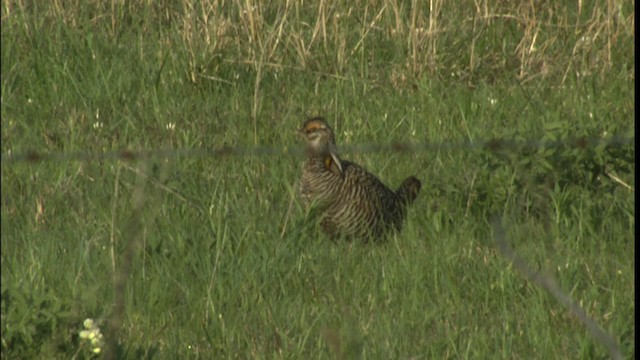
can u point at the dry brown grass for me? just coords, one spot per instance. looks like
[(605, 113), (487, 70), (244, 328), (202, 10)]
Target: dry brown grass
[(476, 39), (472, 40), (546, 39)]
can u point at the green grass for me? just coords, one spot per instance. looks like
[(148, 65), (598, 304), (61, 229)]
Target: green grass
[(223, 261)]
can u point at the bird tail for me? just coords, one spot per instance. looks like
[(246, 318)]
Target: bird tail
[(409, 189)]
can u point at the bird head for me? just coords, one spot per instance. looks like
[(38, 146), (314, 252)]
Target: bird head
[(318, 136), (321, 142)]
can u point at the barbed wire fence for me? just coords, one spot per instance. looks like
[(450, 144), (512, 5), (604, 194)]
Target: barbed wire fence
[(131, 231), (495, 144), (548, 283)]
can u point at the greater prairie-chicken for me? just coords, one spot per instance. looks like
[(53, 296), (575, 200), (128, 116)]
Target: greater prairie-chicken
[(354, 204)]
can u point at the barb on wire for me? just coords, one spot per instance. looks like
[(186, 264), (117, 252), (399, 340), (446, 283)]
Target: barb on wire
[(549, 284), (225, 151)]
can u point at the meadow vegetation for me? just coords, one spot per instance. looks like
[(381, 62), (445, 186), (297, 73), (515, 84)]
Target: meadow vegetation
[(213, 256)]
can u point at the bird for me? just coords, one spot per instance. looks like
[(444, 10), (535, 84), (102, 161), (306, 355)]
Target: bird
[(353, 203)]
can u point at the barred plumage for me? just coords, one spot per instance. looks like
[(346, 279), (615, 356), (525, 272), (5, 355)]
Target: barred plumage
[(353, 202)]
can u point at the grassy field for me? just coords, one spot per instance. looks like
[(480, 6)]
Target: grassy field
[(213, 257)]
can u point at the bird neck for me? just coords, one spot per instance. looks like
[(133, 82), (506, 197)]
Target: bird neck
[(327, 162)]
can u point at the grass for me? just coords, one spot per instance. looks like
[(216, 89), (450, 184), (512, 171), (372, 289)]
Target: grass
[(212, 256)]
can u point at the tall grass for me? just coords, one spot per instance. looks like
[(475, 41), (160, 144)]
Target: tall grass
[(214, 257)]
